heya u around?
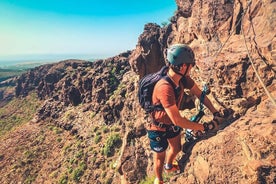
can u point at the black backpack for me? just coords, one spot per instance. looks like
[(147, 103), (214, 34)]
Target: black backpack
[(146, 86)]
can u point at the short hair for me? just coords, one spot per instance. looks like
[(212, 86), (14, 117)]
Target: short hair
[(175, 68)]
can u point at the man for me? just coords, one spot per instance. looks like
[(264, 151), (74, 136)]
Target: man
[(165, 128)]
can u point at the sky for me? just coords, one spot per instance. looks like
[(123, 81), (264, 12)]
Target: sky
[(80, 28)]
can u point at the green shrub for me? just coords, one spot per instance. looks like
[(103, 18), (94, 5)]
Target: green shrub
[(22, 110), (104, 174), (69, 116), (113, 71), (97, 139), (57, 130), (108, 181), (30, 179), (79, 154), (148, 180), (63, 179), (77, 173), (105, 129), (92, 115), (113, 141)]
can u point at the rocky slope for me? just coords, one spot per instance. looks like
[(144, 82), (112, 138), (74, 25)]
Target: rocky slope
[(89, 128), (245, 151)]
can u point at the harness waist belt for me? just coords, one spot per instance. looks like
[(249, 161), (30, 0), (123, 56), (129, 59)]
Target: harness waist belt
[(162, 125), (170, 127)]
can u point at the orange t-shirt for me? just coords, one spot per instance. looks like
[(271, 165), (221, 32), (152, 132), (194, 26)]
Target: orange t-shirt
[(164, 94)]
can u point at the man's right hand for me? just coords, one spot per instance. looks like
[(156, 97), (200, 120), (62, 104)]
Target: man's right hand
[(209, 126), (218, 117)]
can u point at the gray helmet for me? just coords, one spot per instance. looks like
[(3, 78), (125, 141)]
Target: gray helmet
[(178, 54)]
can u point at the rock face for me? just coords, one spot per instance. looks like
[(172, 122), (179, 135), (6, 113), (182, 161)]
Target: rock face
[(226, 37), (148, 56)]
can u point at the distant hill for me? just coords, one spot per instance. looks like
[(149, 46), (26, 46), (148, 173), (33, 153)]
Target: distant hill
[(9, 73), (13, 69)]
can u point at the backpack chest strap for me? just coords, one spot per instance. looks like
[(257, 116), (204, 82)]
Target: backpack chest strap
[(175, 88)]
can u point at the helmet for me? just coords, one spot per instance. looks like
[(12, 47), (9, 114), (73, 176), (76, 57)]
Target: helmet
[(178, 54)]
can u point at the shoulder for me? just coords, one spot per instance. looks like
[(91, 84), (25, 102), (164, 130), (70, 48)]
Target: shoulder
[(163, 89), (187, 82), (164, 84)]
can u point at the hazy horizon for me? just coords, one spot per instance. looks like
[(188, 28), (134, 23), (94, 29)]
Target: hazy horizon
[(51, 57), (36, 60)]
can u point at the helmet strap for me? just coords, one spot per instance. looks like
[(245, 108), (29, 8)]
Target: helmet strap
[(182, 75), (187, 67), (178, 73)]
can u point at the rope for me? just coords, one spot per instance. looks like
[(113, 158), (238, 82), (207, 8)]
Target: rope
[(257, 74), (205, 84), (262, 58), (221, 47), (252, 64)]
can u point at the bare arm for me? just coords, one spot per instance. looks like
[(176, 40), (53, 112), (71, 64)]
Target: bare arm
[(180, 121)]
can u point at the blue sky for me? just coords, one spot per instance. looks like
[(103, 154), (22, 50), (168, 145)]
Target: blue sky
[(89, 28)]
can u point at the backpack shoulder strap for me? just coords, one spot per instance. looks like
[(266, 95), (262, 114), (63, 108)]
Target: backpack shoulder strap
[(169, 80)]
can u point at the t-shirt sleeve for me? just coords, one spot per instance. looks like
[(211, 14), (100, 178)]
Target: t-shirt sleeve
[(165, 94), (188, 82)]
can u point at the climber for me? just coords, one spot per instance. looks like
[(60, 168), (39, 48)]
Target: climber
[(165, 127)]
